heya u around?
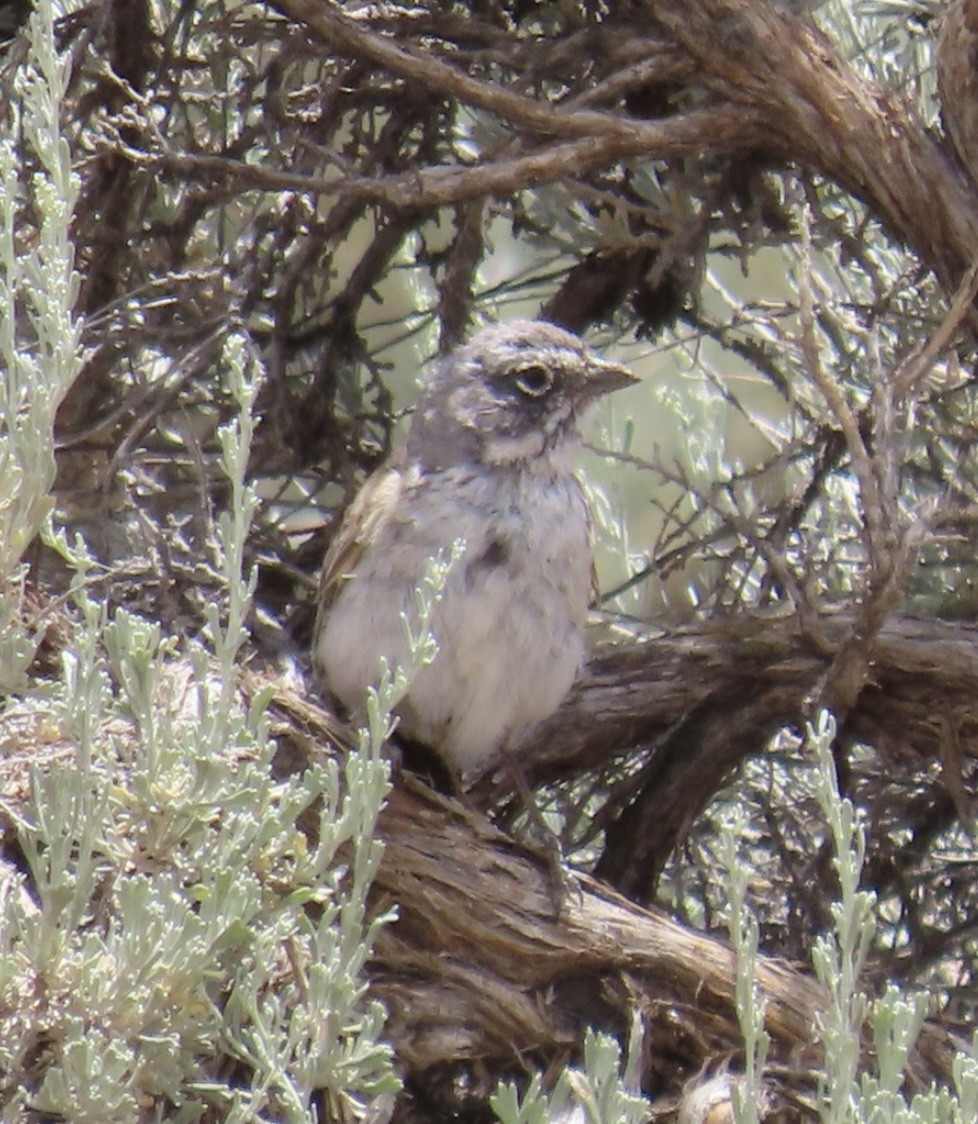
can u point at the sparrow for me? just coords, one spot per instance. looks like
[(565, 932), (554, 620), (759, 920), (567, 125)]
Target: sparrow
[(488, 460)]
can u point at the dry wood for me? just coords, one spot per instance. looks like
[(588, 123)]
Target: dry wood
[(479, 967), (694, 703), (480, 970), (776, 85), (811, 107)]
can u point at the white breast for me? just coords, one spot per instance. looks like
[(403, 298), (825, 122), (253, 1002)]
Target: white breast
[(510, 625)]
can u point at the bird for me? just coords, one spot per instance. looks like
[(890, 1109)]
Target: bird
[(488, 460)]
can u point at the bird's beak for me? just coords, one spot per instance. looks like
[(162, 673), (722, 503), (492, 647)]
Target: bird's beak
[(604, 376)]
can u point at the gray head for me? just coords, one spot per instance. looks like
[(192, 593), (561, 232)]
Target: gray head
[(513, 392)]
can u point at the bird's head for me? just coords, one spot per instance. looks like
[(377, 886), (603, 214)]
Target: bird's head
[(512, 393)]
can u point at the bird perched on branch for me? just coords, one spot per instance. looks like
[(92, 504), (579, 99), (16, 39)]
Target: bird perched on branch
[(488, 460)]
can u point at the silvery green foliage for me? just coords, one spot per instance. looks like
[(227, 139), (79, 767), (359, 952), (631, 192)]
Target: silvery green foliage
[(747, 1093), (225, 627), (40, 349), (601, 1092), (177, 916), (849, 1093), (839, 956)]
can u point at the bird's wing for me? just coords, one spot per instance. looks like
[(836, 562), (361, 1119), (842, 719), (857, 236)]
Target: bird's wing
[(364, 520)]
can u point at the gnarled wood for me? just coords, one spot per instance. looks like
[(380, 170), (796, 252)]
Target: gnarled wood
[(480, 971)]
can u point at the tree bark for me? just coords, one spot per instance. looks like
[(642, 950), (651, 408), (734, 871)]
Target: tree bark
[(691, 705), (480, 970), (776, 87), (812, 108)]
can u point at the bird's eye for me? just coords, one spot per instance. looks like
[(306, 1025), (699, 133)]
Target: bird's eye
[(533, 380)]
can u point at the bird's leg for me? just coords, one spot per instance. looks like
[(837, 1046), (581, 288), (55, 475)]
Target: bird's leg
[(544, 842), (428, 765)]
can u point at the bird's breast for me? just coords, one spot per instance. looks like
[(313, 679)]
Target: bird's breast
[(509, 624)]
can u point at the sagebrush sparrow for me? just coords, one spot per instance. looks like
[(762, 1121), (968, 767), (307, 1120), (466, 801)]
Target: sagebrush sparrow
[(488, 459)]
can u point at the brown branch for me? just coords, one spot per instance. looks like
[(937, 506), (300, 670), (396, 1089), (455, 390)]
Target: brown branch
[(478, 969), (891, 540), (778, 84), (633, 695), (916, 366), (723, 130), (437, 77), (814, 109), (692, 705), (478, 966)]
